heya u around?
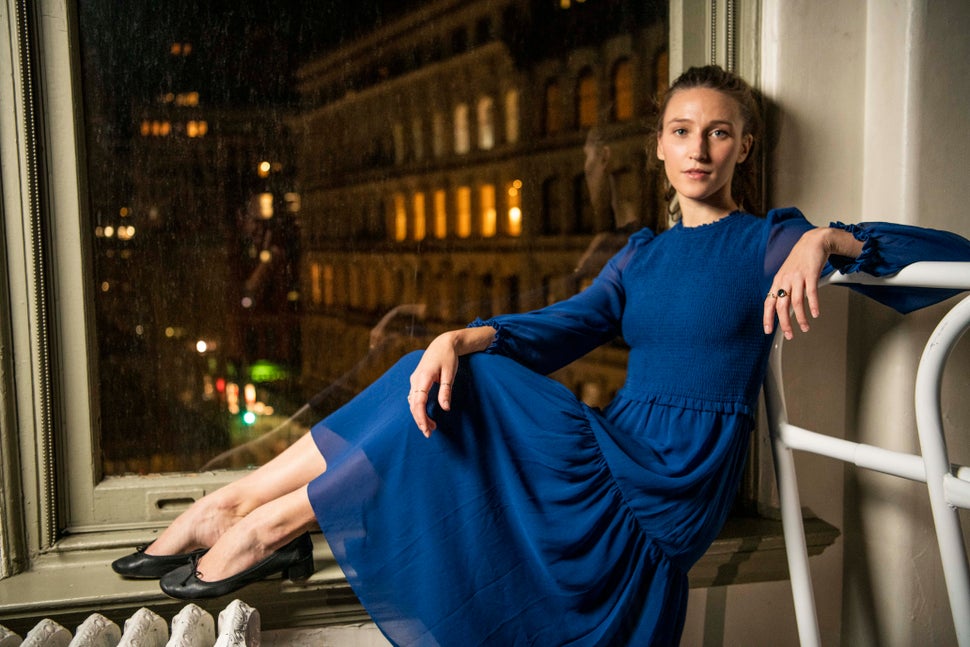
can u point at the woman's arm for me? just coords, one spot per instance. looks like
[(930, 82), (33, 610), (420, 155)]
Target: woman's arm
[(440, 365), (796, 282)]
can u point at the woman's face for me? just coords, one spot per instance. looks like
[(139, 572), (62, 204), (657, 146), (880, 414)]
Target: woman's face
[(701, 142)]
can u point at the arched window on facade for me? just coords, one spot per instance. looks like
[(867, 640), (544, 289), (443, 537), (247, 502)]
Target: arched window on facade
[(400, 217), (549, 218), (397, 133), (587, 100), (463, 198), (420, 228), (486, 123), (440, 213), (512, 116), (462, 134), (622, 90), (417, 138), (514, 198), (552, 110), (486, 198), (438, 134)]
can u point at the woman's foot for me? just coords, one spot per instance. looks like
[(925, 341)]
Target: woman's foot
[(257, 536), (141, 566), (199, 527), (294, 561)]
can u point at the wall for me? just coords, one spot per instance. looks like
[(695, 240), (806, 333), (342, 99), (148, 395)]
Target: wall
[(872, 121)]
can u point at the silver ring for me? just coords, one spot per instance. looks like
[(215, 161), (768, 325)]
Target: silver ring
[(445, 383)]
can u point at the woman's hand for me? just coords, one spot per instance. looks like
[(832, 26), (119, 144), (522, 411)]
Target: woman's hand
[(439, 365), (796, 283)]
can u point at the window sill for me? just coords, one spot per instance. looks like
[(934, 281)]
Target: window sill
[(71, 583)]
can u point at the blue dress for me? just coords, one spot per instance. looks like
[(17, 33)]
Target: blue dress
[(529, 518)]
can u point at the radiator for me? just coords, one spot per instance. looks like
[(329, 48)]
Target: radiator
[(238, 626)]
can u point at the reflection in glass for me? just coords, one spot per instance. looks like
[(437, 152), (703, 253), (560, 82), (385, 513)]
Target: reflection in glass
[(279, 209)]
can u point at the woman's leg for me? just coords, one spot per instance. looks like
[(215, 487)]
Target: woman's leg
[(257, 535), (208, 518)]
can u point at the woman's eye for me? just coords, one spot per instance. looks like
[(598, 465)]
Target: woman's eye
[(680, 131), (720, 134)]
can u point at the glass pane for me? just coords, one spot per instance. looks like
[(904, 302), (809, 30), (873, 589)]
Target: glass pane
[(268, 232)]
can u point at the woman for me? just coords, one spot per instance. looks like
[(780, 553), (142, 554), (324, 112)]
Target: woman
[(521, 516)]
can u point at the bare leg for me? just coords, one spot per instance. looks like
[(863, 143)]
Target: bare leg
[(257, 535), (208, 518)]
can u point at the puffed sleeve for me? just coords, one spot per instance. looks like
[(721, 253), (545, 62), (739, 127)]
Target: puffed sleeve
[(547, 339), (886, 249)]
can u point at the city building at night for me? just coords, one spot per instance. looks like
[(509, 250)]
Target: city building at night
[(440, 163)]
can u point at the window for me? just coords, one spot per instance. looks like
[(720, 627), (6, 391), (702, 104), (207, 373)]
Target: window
[(464, 200), (417, 138), (438, 134), (587, 97), (552, 113), (420, 224), (207, 245), (512, 116), (623, 91), (398, 137), (400, 217), (486, 123), (440, 213), (551, 207), (462, 133), (514, 192), (489, 214)]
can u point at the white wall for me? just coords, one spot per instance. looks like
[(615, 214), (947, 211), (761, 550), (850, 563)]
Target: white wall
[(874, 120)]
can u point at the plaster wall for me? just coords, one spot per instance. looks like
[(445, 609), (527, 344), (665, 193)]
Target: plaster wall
[(869, 108)]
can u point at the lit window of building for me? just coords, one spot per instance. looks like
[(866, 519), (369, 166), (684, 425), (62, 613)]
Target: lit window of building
[(420, 222), (623, 91), (512, 116), (438, 134), (552, 112), (464, 200), (462, 135), (588, 100), (400, 217), (489, 217), (417, 137), (186, 99), (196, 129), (515, 208), (486, 123), (316, 284), (440, 214)]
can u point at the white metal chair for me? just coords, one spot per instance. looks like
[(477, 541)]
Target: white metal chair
[(948, 485)]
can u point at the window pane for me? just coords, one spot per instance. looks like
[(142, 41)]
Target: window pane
[(259, 179)]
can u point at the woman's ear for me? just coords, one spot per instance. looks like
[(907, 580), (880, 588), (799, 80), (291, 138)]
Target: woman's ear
[(746, 143), (660, 150)]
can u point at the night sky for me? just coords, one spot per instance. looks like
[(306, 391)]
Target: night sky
[(245, 50)]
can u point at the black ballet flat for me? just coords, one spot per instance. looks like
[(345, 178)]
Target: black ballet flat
[(294, 561), (141, 566)]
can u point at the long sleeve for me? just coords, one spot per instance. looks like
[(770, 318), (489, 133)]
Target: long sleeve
[(887, 248), (550, 338)]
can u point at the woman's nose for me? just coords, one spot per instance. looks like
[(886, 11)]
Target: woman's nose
[(698, 149)]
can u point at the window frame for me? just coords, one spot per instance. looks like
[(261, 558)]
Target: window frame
[(53, 502)]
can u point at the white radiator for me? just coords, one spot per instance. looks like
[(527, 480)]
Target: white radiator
[(192, 627)]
